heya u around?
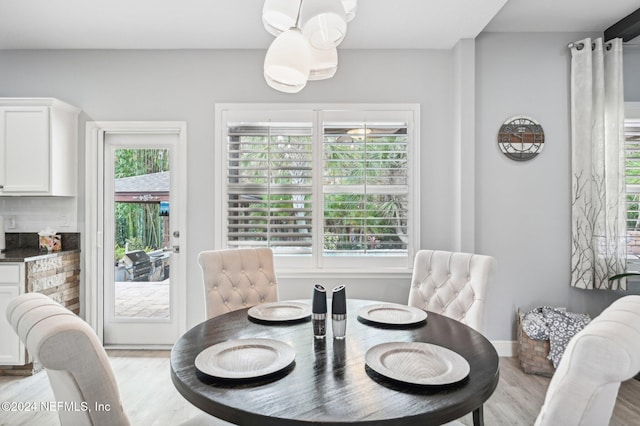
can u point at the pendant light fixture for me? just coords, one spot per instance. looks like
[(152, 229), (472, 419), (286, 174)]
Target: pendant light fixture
[(324, 22), (279, 15), (307, 35), (350, 8), (324, 63), (288, 62)]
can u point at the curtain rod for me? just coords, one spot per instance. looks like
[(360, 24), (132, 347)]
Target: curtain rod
[(580, 46)]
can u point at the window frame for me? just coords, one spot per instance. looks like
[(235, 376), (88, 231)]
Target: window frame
[(631, 111), (321, 112)]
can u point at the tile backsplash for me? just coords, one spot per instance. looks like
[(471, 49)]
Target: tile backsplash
[(30, 240), (33, 214)]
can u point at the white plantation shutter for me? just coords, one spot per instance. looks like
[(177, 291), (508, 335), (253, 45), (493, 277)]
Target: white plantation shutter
[(269, 180), (365, 187), (320, 186), (632, 145)]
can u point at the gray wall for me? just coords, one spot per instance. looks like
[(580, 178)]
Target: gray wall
[(521, 210), (186, 85), (632, 72)]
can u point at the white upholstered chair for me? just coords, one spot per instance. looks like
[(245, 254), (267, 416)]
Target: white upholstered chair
[(452, 284), (606, 352), (237, 278), (75, 361)]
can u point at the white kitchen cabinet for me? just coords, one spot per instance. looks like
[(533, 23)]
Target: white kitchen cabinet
[(38, 147), (12, 351)]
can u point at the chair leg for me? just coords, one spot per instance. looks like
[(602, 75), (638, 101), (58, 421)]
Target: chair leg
[(478, 416)]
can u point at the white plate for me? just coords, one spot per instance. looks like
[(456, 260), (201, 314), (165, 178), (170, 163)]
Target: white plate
[(417, 363), (280, 311), (245, 358), (392, 313)]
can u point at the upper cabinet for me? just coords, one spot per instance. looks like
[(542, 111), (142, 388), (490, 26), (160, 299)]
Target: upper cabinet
[(38, 147)]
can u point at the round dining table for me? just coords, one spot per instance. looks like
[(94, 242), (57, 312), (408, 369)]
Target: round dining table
[(329, 382)]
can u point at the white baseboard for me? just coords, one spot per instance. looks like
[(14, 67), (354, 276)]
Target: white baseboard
[(505, 347)]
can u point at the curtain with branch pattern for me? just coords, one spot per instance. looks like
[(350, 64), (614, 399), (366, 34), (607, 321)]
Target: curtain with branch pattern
[(598, 165)]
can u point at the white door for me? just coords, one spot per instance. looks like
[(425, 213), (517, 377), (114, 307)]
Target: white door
[(141, 217)]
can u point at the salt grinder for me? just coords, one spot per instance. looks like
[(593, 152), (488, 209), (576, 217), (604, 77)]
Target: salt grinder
[(339, 312), (319, 311)]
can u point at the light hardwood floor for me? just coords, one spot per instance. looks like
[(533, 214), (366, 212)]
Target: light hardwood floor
[(150, 399)]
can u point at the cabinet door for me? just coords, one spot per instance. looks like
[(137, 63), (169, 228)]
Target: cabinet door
[(24, 150), (11, 349)]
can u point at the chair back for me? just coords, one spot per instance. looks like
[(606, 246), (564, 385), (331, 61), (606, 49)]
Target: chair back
[(452, 284), (75, 361), (237, 278), (584, 388)]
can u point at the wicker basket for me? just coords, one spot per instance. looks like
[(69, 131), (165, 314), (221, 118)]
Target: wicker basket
[(533, 353)]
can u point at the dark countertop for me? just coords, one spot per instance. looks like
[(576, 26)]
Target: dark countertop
[(29, 254), (24, 246)]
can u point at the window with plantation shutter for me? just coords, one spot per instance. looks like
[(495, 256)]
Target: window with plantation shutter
[(324, 187), (365, 188), (632, 145), (269, 186)]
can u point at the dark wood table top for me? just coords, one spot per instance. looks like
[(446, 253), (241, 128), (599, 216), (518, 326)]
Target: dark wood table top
[(329, 383)]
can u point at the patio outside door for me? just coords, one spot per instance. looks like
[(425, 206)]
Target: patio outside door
[(142, 303)]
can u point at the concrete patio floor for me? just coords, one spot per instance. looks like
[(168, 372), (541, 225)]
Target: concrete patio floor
[(142, 299)]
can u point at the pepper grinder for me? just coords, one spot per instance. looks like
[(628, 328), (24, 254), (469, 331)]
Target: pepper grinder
[(319, 311), (339, 312)]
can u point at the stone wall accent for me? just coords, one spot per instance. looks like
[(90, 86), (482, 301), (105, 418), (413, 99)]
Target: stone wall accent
[(20, 370), (59, 278)]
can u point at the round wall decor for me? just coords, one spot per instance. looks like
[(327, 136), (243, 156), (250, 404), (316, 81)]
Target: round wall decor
[(521, 138)]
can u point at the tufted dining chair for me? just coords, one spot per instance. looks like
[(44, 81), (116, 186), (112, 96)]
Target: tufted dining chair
[(584, 388), (237, 278), (75, 361), (452, 284)]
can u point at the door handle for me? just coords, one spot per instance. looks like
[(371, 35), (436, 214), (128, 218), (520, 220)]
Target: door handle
[(174, 249)]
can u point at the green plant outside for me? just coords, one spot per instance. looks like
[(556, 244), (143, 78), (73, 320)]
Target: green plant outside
[(139, 226)]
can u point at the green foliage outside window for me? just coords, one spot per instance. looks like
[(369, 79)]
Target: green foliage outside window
[(633, 199), (139, 226)]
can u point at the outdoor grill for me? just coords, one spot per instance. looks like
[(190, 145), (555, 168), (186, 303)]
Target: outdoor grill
[(138, 265)]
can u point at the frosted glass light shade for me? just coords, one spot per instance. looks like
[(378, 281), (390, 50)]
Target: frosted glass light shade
[(288, 62), (284, 87), (280, 15), (350, 9), (324, 63), (324, 22)]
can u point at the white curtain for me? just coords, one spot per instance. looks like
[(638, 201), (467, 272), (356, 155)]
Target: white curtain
[(597, 165)]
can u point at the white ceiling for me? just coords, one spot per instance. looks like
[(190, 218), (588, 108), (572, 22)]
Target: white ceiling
[(236, 24)]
